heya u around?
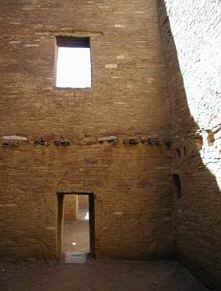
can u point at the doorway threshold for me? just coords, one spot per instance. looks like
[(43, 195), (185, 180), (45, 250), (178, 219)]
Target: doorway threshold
[(75, 257)]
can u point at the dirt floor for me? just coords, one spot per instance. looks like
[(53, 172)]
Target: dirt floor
[(76, 234), (99, 275)]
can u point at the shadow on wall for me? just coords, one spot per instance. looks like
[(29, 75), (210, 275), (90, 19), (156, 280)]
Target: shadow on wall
[(197, 197)]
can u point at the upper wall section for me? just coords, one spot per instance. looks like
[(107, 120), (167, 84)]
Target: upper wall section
[(128, 79), (194, 31)]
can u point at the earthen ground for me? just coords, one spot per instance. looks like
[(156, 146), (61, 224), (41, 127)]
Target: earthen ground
[(76, 234), (97, 275)]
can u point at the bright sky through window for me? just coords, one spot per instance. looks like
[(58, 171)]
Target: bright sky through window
[(73, 67)]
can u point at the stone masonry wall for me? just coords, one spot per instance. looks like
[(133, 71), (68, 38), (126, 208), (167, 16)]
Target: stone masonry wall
[(111, 139), (83, 202), (191, 39), (70, 207)]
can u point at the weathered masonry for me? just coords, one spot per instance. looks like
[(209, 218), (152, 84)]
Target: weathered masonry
[(190, 35), (141, 136), (110, 139)]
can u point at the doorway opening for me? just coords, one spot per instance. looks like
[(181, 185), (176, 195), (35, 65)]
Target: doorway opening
[(75, 226)]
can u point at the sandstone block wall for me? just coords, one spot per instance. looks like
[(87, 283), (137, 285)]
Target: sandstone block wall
[(70, 207), (111, 139), (83, 202), (191, 40)]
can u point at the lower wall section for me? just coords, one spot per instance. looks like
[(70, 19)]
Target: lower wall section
[(130, 181)]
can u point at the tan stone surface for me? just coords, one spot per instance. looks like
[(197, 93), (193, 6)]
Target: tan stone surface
[(70, 207), (124, 139), (110, 140), (189, 37)]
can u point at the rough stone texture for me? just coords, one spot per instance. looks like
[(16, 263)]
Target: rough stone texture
[(111, 140), (83, 202), (70, 207), (191, 39), (139, 128)]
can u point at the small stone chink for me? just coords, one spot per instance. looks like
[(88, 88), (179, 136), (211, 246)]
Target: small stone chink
[(41, 142), (210, 137), (146, 141), (155, 141), (88, 141), (62, 143), (109, 139), (198, 141), (178, 153), (10, 144), (133, 141), (168, 143), (151, 141)]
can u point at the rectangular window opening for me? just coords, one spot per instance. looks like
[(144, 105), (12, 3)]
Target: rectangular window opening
[(73, 62)]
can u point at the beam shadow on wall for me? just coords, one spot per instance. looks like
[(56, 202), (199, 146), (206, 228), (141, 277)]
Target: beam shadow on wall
[(197, 197)]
